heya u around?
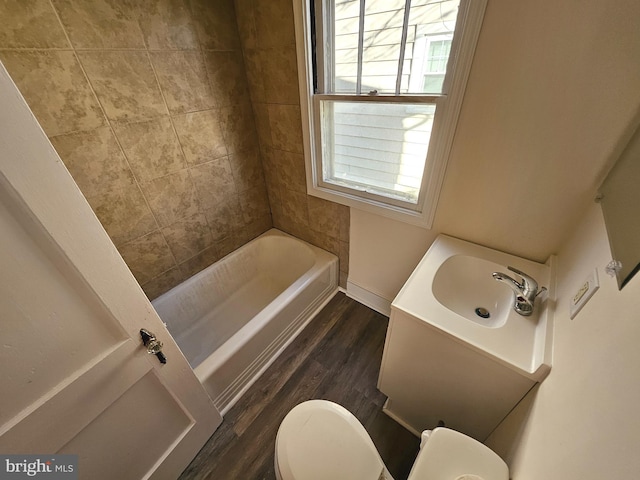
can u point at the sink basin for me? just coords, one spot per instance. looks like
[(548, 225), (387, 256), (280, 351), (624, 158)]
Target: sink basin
[(464, 285), (452, 290)]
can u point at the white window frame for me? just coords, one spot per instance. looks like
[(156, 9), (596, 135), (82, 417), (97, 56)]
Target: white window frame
[(448, 105)]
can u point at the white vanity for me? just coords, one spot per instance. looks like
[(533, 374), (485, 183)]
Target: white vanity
[(456, 350)]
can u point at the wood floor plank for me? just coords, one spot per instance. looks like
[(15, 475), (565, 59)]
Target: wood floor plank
[(256, 446), (254, 401), (216, 448), (336, 357)]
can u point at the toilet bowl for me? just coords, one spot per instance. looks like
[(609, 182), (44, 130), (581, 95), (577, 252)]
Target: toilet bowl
[(318, 440)]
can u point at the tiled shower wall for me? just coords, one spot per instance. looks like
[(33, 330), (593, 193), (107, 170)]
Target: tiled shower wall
[(268, 42), (147, 103)]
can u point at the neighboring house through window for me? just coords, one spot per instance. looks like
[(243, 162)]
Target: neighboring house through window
[(382, 84)]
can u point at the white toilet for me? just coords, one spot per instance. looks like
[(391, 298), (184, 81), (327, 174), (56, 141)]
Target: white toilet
[(321, 440)]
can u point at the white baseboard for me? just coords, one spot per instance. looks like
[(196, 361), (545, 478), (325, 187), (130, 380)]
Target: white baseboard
[(370, 299)]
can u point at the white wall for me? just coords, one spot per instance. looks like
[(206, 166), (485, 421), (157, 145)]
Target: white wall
[(382, 254), (583, 421), (550, 102)]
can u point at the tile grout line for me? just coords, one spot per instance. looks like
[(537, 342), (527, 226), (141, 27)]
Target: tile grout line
[(188, 167), (111, 128), (137, 181), (177, 138), (203, 59)]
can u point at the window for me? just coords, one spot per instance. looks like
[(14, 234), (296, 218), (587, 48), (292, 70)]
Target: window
[(382, 85)]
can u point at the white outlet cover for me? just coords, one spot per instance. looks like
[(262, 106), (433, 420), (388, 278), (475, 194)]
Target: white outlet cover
[(583, 293)]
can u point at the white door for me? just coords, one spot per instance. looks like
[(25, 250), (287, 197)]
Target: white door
[(74, 375)]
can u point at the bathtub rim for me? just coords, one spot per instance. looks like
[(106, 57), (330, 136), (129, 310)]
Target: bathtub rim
[(202, 273), (242, 336), (324, 262)]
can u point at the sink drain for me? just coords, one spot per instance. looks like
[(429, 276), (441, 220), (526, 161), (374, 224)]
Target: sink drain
[(482, 312)]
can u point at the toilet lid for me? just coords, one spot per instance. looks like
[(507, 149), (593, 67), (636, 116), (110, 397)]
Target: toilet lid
[(451, 455), (320, 440)]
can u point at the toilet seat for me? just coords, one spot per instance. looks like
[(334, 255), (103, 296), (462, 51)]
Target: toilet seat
[(319, 439)]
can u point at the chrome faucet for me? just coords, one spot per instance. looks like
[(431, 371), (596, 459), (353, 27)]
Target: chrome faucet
[(525, 292)]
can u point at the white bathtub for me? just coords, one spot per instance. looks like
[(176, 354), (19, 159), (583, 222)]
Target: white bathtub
[(235, 317)]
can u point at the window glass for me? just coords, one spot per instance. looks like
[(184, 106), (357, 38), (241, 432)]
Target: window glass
[(368, 46), (383, 22), (435, 66), (345, 46), (377, 148)]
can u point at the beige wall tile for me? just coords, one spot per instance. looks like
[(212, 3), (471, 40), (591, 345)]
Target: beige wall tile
[(275, 204), (188, 237), (280, 75), (124, 214), (172, 198), (224, 217), (200, 136), (263, 128), (199, 262), (246, 23), (151, 147), (183, 80), (147, 256), (254, 229), (95, 161), (326, 242), (247, 169), (290, 167), (344, 256), (274, 23), (255, 77), (214, 182), (255, 204), (125, 84), (216, 24), (101, 23), (296, 229), (280, 221), (229, 244), (227, 76), (56, 90), (286, 128), (294, 206), (30, 24), (167, 24), (324, 216), (344, 276), (238, 128), (271, 168), (345, 223), (163, 283)]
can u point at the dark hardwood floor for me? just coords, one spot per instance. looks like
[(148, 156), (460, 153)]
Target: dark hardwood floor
[(336, 357)]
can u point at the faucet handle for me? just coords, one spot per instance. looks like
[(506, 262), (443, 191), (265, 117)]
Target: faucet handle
[(529, 283)]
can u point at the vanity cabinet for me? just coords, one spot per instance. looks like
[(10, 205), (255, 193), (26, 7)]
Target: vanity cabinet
[(430, 375)]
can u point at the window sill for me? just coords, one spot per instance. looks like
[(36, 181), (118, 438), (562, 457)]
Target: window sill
[(422, 218)]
